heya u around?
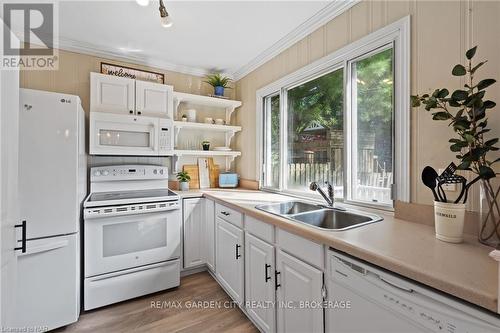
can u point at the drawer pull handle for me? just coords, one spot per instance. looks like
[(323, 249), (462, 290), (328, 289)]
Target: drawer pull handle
[(276, 284), (266, 272), (238, 255), (225, 213)]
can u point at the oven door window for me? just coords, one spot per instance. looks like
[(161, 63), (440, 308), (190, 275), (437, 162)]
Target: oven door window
[(132, 237), (117, 138), (122, 242)]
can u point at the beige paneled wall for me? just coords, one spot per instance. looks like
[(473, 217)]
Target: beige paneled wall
[(441, 32), (73, 77)]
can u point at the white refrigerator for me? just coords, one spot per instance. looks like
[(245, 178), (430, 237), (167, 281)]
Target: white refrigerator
[(52, 187)]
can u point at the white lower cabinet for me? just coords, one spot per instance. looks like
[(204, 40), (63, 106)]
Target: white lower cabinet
[(194, 237), (209, 219), (298, 283), (229, 258), (259, 282)]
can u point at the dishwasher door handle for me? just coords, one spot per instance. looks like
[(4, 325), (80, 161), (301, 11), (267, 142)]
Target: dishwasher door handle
[(395, 285)]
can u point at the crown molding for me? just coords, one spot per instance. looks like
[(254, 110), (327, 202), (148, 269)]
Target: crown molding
[(325, 15), (101, 51)]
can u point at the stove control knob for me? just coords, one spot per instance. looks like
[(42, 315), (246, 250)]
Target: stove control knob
[(97, 173), (105, 173), (155, 171), (161, 171)]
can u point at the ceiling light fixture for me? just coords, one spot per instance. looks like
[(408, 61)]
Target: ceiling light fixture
[(165, 19), (143, 3)]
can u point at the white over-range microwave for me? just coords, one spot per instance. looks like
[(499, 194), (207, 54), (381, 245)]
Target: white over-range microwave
[(130, 135)]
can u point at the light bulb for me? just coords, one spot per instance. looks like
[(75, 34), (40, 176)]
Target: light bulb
[(143, 3), (166, 21)]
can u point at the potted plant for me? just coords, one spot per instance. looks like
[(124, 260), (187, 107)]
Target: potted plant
[(205, 144), (183, 178), (465, 110), (219, 82)]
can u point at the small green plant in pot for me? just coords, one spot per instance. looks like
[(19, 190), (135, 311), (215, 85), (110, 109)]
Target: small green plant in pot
[(219, 83), (205, 144), (465, 110), (183, 178)]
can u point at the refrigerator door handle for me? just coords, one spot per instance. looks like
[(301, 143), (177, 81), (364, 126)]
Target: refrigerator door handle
[(45, 247), (23, 237)]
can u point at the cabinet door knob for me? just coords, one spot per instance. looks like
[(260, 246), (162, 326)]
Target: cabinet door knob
[(131, 111), (139, 112)]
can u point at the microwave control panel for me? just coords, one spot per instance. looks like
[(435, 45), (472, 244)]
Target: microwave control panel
[(166, 135)]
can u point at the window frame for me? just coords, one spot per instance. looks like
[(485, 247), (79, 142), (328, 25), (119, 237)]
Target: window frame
[(397, 34)]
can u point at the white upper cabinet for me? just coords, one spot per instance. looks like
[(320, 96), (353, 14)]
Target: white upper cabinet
[(194, 211), (128, 96), (298, 282), (112, 94), (153, 99), (259, 281), (229, 258)]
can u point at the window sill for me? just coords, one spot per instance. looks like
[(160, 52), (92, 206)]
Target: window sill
[(317, 199)]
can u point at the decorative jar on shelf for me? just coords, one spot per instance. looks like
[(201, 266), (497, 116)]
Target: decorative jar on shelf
[(489, 211)]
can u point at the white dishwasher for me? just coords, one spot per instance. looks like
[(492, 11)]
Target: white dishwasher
[(364, 298)]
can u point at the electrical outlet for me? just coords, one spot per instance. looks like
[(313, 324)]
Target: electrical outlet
[(448, 187)]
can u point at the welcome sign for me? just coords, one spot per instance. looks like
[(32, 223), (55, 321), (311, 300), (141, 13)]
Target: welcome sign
[(132, 73)]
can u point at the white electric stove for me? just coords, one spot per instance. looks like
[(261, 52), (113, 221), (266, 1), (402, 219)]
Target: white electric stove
[(132, 234)]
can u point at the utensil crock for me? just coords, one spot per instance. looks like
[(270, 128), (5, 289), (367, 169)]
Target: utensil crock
[(449, 221)]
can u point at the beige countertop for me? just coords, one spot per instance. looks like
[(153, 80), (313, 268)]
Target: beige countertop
[(410, 249)]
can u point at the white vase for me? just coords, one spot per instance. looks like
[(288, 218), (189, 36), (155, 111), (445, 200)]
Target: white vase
[(449, 221), (184, 186), (191, 115)]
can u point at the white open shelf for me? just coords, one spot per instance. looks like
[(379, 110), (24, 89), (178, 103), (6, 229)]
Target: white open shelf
[(228, 105), (227, 129), (199, 101), (230, 156), (208, 127)]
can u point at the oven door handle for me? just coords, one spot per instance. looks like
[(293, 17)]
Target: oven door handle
[(132, 270)]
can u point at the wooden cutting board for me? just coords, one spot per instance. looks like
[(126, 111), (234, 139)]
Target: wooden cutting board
[(213, 172), (192, 171), (204, 178)]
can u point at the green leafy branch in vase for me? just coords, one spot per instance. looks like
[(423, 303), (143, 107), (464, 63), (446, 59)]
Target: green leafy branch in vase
[(465, 110)]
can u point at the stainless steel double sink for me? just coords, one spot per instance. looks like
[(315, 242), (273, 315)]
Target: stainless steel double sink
[(319, 216)]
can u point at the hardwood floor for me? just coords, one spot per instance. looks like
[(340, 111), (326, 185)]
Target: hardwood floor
[(140, 315)]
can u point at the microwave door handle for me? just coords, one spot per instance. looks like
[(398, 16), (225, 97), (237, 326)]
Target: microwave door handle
[(156, 136)]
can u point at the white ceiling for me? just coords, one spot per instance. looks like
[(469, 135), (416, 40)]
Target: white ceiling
[(206, 35)]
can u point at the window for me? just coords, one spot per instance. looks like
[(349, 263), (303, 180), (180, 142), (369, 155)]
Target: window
[(344, 120), (315, 127), (272, 142), (372, 85)]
